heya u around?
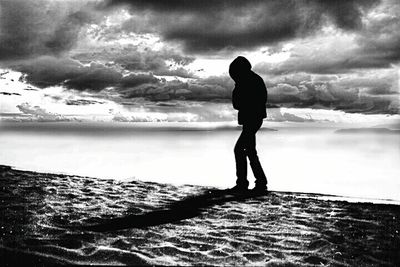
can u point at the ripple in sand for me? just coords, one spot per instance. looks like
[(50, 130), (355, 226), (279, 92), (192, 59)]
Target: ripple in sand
[(45, 215)]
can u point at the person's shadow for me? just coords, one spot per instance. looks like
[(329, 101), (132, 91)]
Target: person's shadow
[(186, 208)]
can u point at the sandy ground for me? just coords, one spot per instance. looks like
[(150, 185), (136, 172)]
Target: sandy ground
[(52, 218)]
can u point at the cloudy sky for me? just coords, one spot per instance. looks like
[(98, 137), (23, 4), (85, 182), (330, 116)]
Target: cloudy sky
[(128, 60)]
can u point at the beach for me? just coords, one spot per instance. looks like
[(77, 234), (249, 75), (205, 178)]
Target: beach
[(67, 219)]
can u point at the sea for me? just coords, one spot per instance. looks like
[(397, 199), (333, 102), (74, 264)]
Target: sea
[(314, 158)]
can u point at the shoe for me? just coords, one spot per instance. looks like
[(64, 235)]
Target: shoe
[(237, 189), (259, 189)]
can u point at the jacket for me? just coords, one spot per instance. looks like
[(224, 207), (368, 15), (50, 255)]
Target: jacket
[(249, 97)]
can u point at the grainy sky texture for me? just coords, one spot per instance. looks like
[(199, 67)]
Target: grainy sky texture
[(333, 55)]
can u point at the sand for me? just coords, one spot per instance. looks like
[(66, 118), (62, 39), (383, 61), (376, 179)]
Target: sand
[(64, 219)]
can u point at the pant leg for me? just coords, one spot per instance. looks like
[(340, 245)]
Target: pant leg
[(241, 161), (251, 152)]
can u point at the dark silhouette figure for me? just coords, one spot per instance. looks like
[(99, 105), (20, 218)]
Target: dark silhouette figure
[(249, 97)]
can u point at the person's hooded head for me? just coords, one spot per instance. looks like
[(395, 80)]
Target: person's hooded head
[(239, 68)]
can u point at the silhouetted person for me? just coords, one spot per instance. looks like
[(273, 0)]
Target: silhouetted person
[(249, 97)]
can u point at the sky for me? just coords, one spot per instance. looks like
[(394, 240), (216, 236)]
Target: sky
[(130, 61)]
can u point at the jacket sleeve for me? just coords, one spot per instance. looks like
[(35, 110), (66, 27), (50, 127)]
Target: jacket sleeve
[(263, 93), (235, 98), (262, 96), (259, 97)]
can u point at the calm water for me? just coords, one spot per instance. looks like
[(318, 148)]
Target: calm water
[(307, 160)]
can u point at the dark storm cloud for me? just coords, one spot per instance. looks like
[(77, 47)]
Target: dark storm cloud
[(95, 77), (351, 94), (364, 93), (50, 71), (214, 25), (208, 89), (370, 95), (40, 27), (375, 45), (321, 62), (81, 102), (9, 94), (380, 38), (134, 80), (131, 58)]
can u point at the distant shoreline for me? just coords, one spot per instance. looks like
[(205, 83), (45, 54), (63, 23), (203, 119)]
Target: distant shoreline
[(368, 130), (119, 127)]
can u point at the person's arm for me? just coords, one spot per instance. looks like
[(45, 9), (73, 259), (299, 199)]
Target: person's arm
[(263, 93), (260, 97), (235, 98), (258, 94)]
